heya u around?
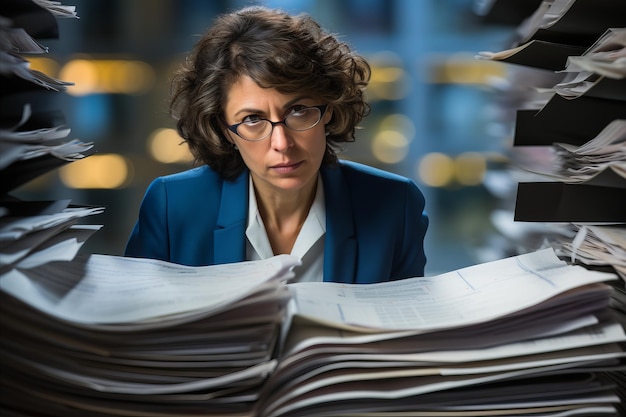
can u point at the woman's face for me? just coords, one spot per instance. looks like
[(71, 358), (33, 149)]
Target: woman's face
[(286, 160)]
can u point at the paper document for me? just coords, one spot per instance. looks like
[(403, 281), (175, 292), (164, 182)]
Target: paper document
[(460, 298), (111, 289)]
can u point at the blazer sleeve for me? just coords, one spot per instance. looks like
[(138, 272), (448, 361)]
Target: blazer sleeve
[(412, 259), (149, 237)]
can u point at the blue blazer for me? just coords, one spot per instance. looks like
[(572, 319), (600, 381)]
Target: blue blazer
[(375, 222)]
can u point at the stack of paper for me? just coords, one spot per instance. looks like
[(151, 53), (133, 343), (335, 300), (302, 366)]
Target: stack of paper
[(558, 30), (34, 233), (600, 161), (33, 141), (598, 72), (110, 336), (29, 149), (600, 246), (528, 335), (58, 9), (597, 245), (118, 336), (32, 134)]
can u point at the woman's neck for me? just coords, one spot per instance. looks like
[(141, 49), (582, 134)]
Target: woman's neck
[(284, 213)]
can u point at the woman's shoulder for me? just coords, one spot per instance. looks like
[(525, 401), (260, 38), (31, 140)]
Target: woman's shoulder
[(200, 173), (365, 181), (201, 180), (351, 185), (361, 171)]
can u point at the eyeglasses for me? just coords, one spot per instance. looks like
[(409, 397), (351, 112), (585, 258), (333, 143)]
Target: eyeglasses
[(304, 118)]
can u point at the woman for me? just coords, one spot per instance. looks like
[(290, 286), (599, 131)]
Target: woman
[(264, 101)]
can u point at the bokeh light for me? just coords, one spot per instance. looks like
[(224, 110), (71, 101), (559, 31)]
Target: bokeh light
[(103, 171), (436, 169), (470, 168), (166, 146), (111, 76)]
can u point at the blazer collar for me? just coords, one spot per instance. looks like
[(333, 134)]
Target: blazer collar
[(340, 246), (230, 234)]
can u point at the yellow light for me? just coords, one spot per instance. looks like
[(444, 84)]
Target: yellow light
[(389, 81), (166, 146), (104, 171), (390, 146), (108, 76), (112, 76), (84, 75), (139, 78), (126, 77), (465, 69), (387, 74), (400, 123), (436, 169), (46, 65), (470, 168)]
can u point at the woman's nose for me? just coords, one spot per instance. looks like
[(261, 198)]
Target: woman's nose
[(280, 138)]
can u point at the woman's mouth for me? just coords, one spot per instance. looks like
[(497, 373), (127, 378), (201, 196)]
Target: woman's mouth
[(286, 168)]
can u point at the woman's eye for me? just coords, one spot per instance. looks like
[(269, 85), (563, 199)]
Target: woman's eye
[(298, 110), (252, 119)]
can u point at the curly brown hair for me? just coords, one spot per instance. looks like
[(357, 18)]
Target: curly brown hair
[(278, 50)]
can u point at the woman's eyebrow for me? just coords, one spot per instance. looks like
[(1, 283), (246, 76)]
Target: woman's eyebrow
[(248, 110), (295, 100), (258, 111)]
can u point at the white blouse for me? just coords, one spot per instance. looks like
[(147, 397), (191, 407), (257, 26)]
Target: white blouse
[(309, 245)]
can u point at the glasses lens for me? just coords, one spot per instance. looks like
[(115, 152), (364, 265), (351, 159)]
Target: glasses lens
[(256, 130), (303, 119), (259, 129)]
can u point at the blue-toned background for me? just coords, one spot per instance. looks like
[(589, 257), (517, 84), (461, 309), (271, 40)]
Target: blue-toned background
[(434, 116)]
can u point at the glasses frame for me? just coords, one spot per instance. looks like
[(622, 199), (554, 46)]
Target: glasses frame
[(322, 109)]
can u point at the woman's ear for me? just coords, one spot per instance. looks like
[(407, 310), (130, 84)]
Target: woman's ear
[(328, 114)]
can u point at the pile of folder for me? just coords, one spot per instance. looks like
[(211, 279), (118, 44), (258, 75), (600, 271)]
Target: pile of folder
[(111, 336), (33, 141), (528, 335), (570, 134)]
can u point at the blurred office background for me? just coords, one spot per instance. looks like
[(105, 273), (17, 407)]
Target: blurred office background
[(433, 117)]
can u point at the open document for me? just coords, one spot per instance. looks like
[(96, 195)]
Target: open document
[(459, 298), (101, 289)]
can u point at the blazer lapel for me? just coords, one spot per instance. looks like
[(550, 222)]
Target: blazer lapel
[(230, 235), (340, 247)]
